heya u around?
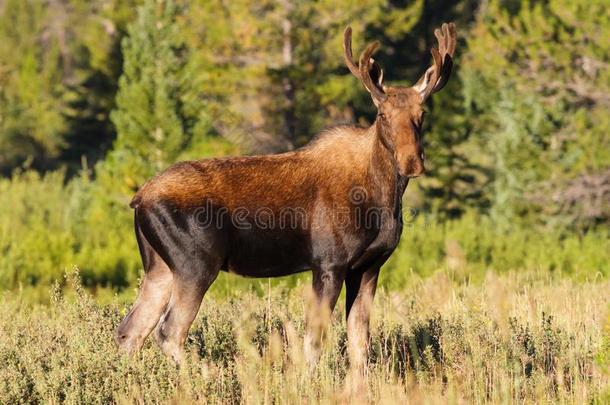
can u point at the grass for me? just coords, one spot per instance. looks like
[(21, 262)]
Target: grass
[(514, 337)]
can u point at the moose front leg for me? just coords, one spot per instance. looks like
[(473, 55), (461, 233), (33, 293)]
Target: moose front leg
[(361, 286), (327, 285)]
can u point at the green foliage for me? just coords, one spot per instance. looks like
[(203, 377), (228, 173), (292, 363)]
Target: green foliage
[(31, 102), (470, 246), (454, 181), (58, 71), (52, 225), (536, 81), (152, 127)]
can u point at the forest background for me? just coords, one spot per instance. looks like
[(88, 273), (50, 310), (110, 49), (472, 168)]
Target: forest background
[(97, 96)]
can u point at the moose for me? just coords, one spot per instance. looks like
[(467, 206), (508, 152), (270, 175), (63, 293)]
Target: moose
[(343, 191)]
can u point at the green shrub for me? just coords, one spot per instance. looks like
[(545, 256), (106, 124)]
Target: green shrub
[(473, 244), (52, 225)]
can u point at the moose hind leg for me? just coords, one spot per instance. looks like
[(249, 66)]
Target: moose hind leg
[(152, 299), (187, 293)]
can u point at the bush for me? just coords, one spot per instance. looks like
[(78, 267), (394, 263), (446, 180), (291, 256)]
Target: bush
[(473, 244), (53, 225)]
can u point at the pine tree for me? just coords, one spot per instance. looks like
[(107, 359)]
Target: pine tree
[(31, 89), (154, 126), (97, 28), (536, 86)]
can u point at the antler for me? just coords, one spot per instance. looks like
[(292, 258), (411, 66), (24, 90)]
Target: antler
[(366, 65), (436, 76)]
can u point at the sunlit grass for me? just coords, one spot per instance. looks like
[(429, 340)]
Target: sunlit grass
[(511, 338)]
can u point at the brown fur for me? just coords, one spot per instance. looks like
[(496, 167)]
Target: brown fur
[(275, 181), (335, 181)]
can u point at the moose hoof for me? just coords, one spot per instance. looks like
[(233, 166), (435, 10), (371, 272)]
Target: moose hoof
[(171, 349), (126, 343)]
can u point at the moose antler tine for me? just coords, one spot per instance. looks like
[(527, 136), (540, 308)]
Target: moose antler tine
[(447, 39), (347, 51), (362, 71), (439, 36), (452, 38), (364, 65), (365, 56), (441, 40), (347, 41)]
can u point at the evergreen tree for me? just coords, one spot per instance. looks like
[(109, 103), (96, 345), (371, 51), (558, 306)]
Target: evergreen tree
[(31, 91), (58, 70), (536, 85), (97, 28), (454, 181), (155, 122)]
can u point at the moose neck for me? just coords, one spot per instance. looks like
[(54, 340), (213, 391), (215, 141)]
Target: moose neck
[(384, 166), (388, 159)]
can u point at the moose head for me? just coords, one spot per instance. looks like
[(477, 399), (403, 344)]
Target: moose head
[(400, 109)]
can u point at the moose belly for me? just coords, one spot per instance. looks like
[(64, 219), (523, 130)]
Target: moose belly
[(267, 253), (279, 252)]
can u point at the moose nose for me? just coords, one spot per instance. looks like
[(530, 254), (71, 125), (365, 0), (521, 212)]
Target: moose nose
[(419, 168), (419, 172)]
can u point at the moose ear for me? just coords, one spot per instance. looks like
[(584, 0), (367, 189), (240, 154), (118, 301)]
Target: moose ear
[(376, 73)]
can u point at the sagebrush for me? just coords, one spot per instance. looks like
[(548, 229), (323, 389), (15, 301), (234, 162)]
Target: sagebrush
[(511, 338)]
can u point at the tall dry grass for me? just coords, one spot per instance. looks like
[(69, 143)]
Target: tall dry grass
[(511, 338)]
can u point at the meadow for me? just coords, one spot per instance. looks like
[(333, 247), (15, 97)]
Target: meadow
[(499, 291), (469, 310), (519, 337)]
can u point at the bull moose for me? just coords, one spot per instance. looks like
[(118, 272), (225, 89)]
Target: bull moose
[(333, 206)]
